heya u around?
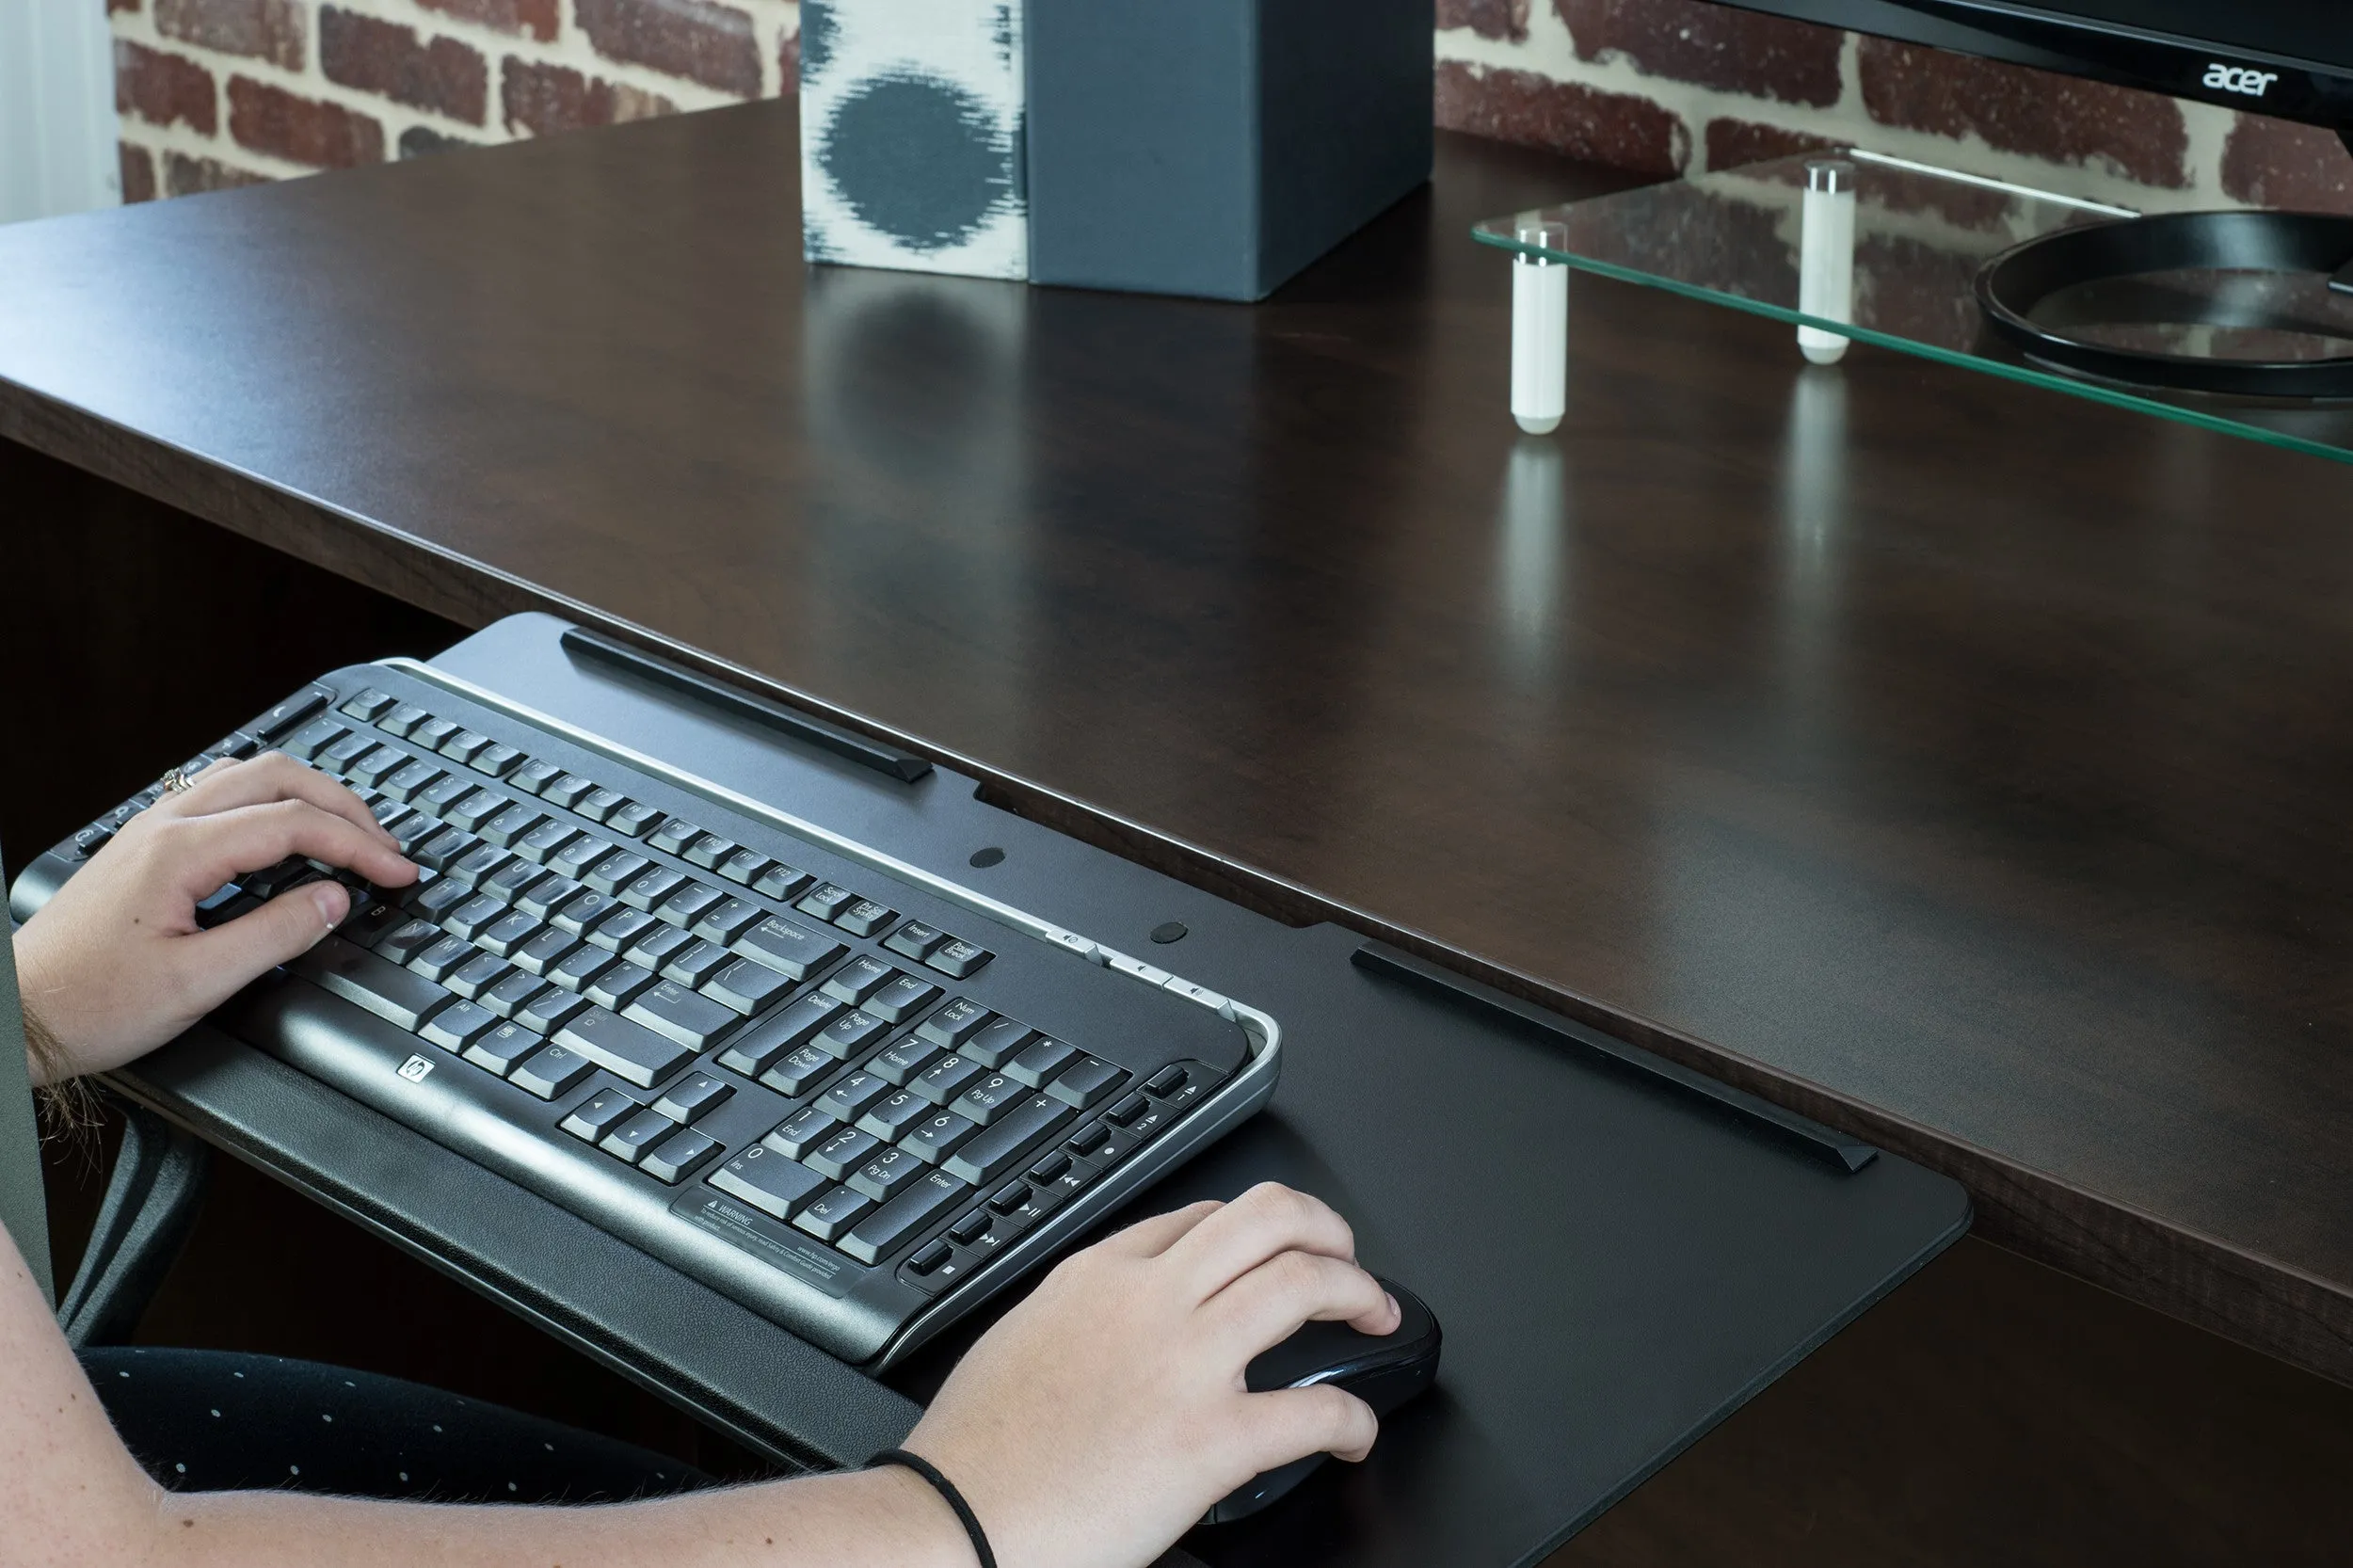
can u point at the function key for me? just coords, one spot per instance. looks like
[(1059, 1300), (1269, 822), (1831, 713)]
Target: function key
[(290, 712), (865, 918), (956, 1023), (915, 939), (679, 1157), (1086, 1081), (566, 791), (673, 835), (630, 820), (957, 958), (769, 1182), (827, 900), (1048, 1169), (316, 737), (430, 733), (463, 745), (402, 719), (369, 705), (1088, 1139), (780, 882), (708, 850), (532, 778), (237, 745), (600, 803), (744, 867), (498, 760)]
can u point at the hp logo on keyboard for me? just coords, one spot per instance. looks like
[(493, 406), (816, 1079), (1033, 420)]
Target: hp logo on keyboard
[(415, 1069)]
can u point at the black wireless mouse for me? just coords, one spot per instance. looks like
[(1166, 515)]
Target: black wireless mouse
[(1382, 1369)]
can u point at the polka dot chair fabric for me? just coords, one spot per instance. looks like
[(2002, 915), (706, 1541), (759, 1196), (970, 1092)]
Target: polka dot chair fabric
[(219, 1420)]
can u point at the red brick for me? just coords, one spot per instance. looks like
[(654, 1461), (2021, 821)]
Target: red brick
[(1732, 143), (384, 58), (1504, 18), (265, 29), (186, 176), (2271, 163), (160, 86), (704, 43), (546, 100), (1583, 122), (536, 17), (301, 130), (2054, 118), (1714, 46), (138, 172)]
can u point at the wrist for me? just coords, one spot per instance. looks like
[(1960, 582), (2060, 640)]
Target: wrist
[(928, 1531)]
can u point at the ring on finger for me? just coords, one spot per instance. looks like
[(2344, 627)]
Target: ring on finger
[(177, 781)]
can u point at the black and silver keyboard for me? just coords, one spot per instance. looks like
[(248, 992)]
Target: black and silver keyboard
[(852, 1094)]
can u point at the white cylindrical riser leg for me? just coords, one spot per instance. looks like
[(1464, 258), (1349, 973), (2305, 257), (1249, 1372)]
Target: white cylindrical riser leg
[(1540, 343), (1826, 258)]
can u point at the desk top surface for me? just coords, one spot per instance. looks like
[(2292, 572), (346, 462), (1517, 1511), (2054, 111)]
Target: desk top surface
[(1958, 761)]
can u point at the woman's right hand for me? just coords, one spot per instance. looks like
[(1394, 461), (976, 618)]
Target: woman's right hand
[(1101, 1418)]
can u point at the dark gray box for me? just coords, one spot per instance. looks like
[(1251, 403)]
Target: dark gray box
[(1216, 147)]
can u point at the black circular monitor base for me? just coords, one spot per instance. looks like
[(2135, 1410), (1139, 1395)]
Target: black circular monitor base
[(2247, 304)]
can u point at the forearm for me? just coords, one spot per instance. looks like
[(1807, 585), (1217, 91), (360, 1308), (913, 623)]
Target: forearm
[(885, 1518)]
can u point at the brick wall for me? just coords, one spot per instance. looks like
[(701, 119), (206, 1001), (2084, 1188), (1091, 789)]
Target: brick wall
[(217, 92), (1681, 86)]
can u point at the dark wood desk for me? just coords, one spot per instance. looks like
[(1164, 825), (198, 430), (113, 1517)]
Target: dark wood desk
[(1956, 761)]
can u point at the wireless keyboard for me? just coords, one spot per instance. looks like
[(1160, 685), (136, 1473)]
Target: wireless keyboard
[(855, 1096)]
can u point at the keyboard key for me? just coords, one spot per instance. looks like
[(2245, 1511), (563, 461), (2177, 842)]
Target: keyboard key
[(412, 779), (850, 1033), (621, 929), (339, 759), (827, 900), (768, 1181), (1088, 1139), (290, 712), (566, 789), (1039, 1060), (865, 918), (902, 997), (575, 970), (780, 882), (437, 961), (777, 1034), (478, 864), (728, 918), (401, 719), (678, 1156), (802, 1131), (431, 732), (990, 1098), (896, 1111), (497, 760), (1168, 1080), (654, 948), (1124, 1110), (696, 962), (459, 1025), (671, 1010), (470, 916), (1086, 1081), (746, 986), (581, 913), (797, 1070), (463, 745), (843, 1153), (406, 940), (897, 1222), (915, 939), (999, 1042), (611, 873), (689, 904), (550, 1011), (833, 1214), (993, 1152), (849, 1097), (1048, 1169), (316, 737), (622, 1048), (544, 897), (945, 1079), (632, 820), (475, 809), (512, 825), (514, 992), (502, 1048), (955, 1023), (478, 974), (552, 1072), (600, 803), (444, 793), (377, 765), (691, 1096), (784, 946), (620, 986), (631, 1139), (510, 930), (649, 887), (544, 842), (902, 1059), (583, 854), (882, 1176), (510, 882), (971, 1228), (957, 958), (1011, 1196), (673, 835), (598, 1114), (930, 1257), (400, 997), (369, 706), (532, 778), (744, 867), (708, 850), (937, 1136), (859, 979)]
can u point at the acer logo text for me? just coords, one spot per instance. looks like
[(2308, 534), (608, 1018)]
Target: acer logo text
[(2239, 79)]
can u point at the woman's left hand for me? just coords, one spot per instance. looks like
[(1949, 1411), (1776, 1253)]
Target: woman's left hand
[(116, 965)]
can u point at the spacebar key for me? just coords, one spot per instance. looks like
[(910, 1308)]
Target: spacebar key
[(357, 975), (621, 1046)]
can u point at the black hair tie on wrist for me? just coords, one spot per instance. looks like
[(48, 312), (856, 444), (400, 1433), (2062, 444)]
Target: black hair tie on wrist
[(947, 1489)]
